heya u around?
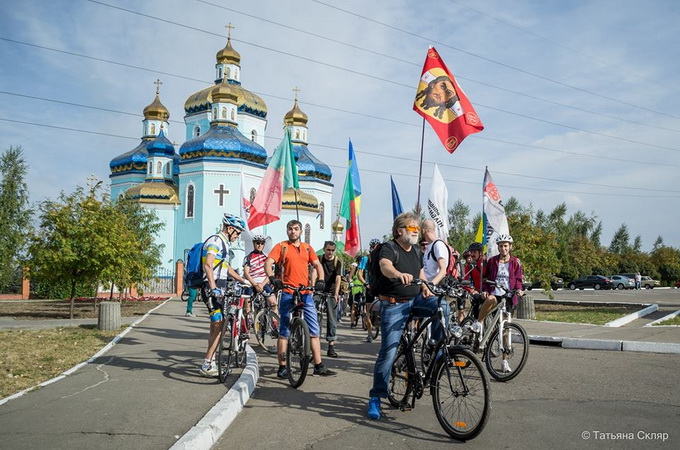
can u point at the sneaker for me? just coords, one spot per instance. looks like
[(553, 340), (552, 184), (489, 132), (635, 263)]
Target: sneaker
[(331, 352), (282, 372), (189, 315), (209, 371), (324, 371), (369, 339), (506, 366), (374, 408)]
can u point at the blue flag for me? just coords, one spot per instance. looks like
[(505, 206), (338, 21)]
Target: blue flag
[(396, 203)]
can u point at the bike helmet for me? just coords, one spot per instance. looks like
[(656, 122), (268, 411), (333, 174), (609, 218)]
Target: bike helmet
[(374, 242), (504, 238), (259, 238), (230, 220), (476, 246)]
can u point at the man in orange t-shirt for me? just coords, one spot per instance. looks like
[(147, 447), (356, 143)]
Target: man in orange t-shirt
[(295, 257)]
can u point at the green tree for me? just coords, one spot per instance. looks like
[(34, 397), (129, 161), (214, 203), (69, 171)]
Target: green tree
[(15, 216), (637, 244), (462, 231), (621, 241)]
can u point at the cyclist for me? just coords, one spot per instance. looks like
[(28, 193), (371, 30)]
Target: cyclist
[(332, 270), (253, 269), (217, 271), (473, 271), (400, 264), (506, 271), (295, 257), (369, 297), (358, 286)]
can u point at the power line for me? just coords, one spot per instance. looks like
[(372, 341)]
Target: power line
[(382, 156), (508, 66)]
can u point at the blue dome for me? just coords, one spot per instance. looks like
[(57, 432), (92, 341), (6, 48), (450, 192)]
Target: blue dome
[(309, 167), (223, 143), (134, 161)]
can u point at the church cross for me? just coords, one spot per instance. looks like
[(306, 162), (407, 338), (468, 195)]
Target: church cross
[(158, 85), (296, 90), (221, 192), (229, 28)]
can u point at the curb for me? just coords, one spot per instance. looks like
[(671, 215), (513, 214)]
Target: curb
[(68, 372), (664, 318), (633, 316), (605, 344), (210, 428)]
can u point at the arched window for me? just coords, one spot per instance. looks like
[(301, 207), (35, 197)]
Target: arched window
[(233, 115), (190, 201), (160, 167), (236, 74), (321, 218), (219, 73), (253, 135), (148, 165), (167, 170), (224, 112), (215, 115), (308, 233), (228, 72), (197, 131), (153, 129), (297, 134), (304, 135)]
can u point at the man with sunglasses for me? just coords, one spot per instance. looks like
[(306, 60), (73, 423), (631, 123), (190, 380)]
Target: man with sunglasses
[(253, 269), (400, 264), (217, 270)]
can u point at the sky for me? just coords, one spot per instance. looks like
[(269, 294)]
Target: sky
[(579, 99)]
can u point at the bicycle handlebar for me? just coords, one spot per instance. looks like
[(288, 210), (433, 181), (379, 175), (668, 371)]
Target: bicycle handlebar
[(508, 292)]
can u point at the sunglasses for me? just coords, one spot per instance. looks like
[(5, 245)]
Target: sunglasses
[(258, 243), (412, 229)]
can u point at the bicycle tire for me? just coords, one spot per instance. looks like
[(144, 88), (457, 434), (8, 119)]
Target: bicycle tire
[(266, 330), (241, 345), (375, 324), (401, 376), (298, 352), (461, 394), (225, 349), (519, 347), (185, 295)]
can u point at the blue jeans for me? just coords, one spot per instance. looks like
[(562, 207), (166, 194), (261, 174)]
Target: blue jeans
[(308, 311), (392, 322)]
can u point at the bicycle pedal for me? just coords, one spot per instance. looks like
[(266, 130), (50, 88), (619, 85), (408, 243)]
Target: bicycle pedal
[(405, 407)]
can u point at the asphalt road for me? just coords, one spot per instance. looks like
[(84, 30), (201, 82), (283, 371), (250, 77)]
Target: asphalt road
[(662, 297), (563, 399)]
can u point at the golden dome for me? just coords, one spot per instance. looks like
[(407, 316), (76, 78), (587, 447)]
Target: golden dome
[(246, 101), (295, 116), (228, 54), (224, 91), (154, 192), (305, 201), (156, 110), (337, 226)]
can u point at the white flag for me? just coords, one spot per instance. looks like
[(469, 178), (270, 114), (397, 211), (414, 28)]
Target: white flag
[(495, 220), (436, 205)]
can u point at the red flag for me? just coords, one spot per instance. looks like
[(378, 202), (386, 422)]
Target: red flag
[(442, 102)]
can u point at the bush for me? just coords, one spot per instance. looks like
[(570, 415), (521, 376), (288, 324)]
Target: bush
[(59, 290)]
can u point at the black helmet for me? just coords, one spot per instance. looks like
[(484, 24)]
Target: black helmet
[(476, 246)]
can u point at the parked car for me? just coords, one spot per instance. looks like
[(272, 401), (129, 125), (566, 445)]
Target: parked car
[(556, 283), (649, 283), (596, 282), (677, 284), (622, 282)]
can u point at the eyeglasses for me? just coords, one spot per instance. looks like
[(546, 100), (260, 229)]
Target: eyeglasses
[(412, 229), (258, 243)]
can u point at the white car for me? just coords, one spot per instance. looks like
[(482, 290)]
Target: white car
[(622, 282)]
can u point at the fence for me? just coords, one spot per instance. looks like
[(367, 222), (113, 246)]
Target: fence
[(162, 282)]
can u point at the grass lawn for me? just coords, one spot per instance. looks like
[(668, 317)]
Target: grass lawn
[(597, 315), (29, 357), (674, 321)]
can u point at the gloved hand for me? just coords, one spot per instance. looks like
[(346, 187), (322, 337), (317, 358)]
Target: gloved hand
[(319, 286), (276, 284), (217, 292)]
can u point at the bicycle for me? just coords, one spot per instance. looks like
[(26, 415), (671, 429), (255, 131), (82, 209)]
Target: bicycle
[(374, 314), (459, 387), (298, 353), (359, 312), (501, 340), (321, 303), (266, 323), (234, 336)]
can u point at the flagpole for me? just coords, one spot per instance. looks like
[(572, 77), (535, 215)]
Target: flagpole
[(297, 212), (420, 173), (481, 274)]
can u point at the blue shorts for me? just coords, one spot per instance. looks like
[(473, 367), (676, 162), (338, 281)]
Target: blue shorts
[(308, 311)]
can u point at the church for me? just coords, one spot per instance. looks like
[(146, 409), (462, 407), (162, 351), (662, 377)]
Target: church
[(223, 156)]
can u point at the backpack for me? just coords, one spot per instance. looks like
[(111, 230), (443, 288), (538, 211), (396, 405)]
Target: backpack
[(373, 267), (452, 266), (194, 267)]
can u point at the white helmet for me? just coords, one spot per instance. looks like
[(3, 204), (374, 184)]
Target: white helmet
[(504, 238)]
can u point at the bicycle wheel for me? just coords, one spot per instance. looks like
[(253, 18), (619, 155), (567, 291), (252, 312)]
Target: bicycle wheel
[(226, 349), (267, 330), (461, 395), (298, 352), (241, 342), (515, 350), (375, 323), (401, 376)]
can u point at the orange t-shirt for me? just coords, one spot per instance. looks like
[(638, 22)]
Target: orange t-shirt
[(296, 262)]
